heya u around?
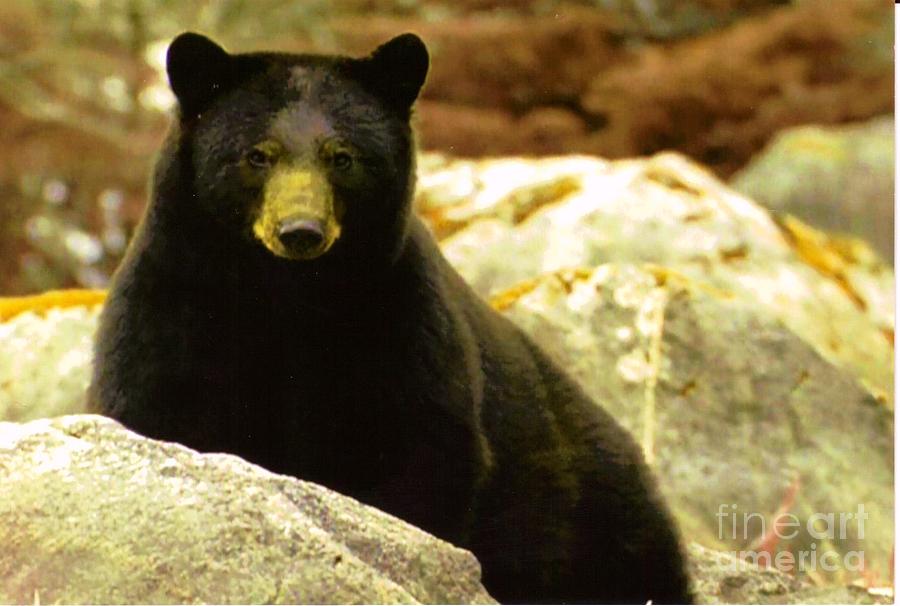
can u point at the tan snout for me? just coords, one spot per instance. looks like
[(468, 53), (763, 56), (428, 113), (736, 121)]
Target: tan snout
[(297, 218)]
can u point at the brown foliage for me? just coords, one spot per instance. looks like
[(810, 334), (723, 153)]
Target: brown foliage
[(719, 98), (579, 81)]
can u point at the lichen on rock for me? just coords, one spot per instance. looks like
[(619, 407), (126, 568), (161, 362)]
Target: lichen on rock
[(668, 211)]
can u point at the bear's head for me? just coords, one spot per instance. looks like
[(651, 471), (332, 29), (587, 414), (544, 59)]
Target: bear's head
[(308, 156)]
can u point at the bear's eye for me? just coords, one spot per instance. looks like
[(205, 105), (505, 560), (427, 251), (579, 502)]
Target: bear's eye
[(342, 160), (257, 158)]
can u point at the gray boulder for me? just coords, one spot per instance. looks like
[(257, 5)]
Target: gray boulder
[(507, 221), (92, 513), (737, 414), (45, 361), (836, 178)]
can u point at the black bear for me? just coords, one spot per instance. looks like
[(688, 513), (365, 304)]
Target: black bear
[(281, 302)]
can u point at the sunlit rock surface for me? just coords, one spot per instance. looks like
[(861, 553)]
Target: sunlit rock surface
[(92, 513), (45, 353), (581, 212), (97, 514)]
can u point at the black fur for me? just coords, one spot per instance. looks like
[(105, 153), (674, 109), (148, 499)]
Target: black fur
[(373, 369)]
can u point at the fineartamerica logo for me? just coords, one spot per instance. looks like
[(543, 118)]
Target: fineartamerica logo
[(826, 527)]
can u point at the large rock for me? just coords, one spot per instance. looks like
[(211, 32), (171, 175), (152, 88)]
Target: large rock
[(92, 513), (737, 414), (836, 178), (505, 221)]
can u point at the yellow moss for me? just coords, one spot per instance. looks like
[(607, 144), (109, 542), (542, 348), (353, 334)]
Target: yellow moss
[(443, 226), (569, 276), (829, 255), (566, 277), (666, 276), (525, 201), (507, 298), (515, 208), (13, 306), (670, 179), (855, 251)]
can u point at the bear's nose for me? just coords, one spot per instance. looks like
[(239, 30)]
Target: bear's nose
[(301, 234)]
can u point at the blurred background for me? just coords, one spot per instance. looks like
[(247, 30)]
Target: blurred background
[(84, 100)]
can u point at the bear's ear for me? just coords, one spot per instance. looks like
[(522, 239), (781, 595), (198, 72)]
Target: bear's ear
[(199, 70), (396, 71)]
